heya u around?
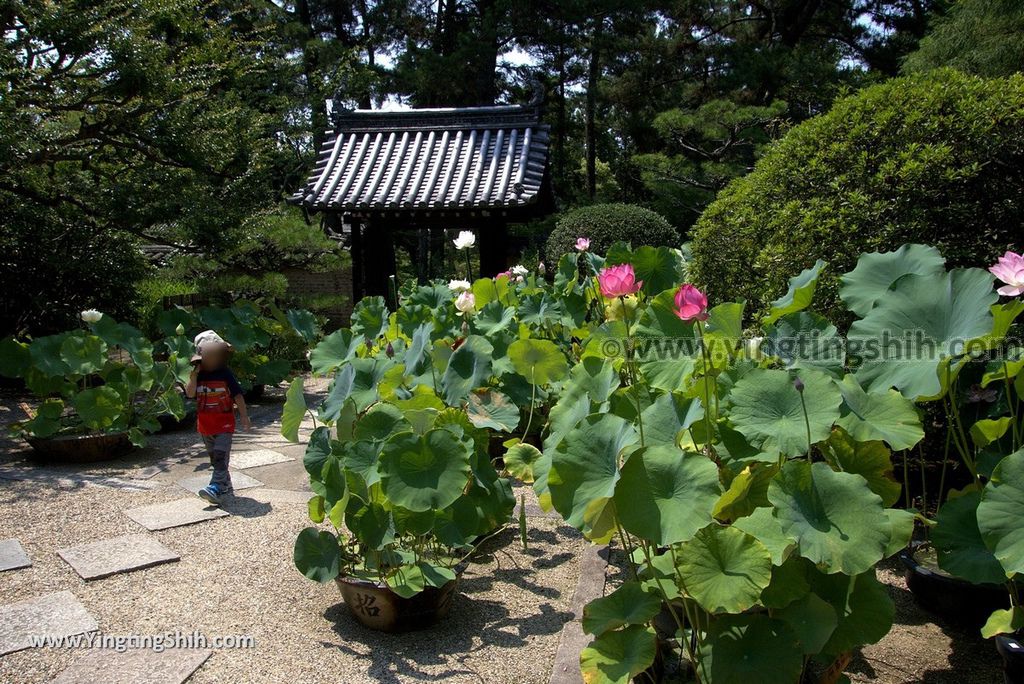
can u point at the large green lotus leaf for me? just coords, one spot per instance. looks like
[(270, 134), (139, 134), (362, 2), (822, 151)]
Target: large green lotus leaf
[(539, 361), (520, 460), (540, 311), (318, 450), (567, 275), (317, 555), (304, 323), (98, 407), (902, 522), (921, 324), (406, 580), (617, 657), (799, 295), (83, 354), (367, 379), (789, 583), (885, 415), (766, 528), (812, 619), (862, 605), (1001, 511), (660, 268), (876, 272), (362, 458), (1003, 622), (294, 410), (370, 318), (487, 290), (420, 472), (46, 355), (371, 524), (959, 544), (379, 423), (724, 569), (627, 605), (493, 318), (805, 340), (585, 465), (987, 431), (468, 368), (747, 492), (665, 495), (338, 393), (669, 415), (870, 460), (47, 420), (742, 649), (766, 408), (566, 415), (492, 409), (659, 320), (594, 378), (15, 358), (669, 372), (334, 350), (835, 518), (417, 354)]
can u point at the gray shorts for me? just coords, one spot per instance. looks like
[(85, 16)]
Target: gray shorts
[(219, 442)]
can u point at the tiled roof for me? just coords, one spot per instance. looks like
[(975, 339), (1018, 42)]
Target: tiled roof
[(430, 159)]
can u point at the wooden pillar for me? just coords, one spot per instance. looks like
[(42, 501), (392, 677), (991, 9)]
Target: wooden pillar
[(379, 264), (493, 241), (422, 256), (356, 252), (437, 245)]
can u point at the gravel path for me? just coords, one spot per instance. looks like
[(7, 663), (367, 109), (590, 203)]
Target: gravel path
[(236, 577)]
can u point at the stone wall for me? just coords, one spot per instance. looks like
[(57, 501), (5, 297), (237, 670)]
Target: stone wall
[(303, 283)]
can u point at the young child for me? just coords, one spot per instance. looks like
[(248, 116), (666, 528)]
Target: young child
[(217, 395)]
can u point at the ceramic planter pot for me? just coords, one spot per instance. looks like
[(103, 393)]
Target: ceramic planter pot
[(956, 600), (380, 608), (81, 448), (169, 423), (1011, 649)]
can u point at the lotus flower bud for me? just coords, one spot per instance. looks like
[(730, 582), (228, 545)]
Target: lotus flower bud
[(390, 351), (180, 330), (798, 384)]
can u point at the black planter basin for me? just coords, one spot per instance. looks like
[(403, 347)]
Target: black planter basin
[(80, 448), (958, 601), (1012, 651), (169, 423)]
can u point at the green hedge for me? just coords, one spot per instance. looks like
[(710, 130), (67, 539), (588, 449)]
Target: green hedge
[(606, 224), (936, 158)]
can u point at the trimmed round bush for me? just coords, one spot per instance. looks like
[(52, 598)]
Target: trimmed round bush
[(936, 158), (606, 224)]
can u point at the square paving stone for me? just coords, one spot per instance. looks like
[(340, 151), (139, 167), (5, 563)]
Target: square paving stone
[(257, 458), (12, 555), (174, 513), (194, 483), (116, 555), (52, 615), (272, 496), (138, 666)]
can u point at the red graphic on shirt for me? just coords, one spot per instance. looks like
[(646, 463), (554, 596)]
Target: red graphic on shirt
[(215, 409)]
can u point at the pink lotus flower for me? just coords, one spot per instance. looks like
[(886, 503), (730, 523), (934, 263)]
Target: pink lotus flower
[(618, 281), (503, 274), (582, 244), (1010, 269), (691, 304), (465, 303)]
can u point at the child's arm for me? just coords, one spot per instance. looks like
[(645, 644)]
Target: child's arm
[(243, 412), (190, 388)]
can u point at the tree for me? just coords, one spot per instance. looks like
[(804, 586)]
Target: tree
[(983, 37)]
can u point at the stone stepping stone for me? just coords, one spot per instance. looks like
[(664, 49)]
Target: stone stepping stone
[(54, 615), (194, 483), (176, 513), (135, 666), (257, 458), (12, 555), (116, 555), (268, 495)]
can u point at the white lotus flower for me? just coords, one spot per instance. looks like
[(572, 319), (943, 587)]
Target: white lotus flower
[(91, 316), (519, 270), (465, 303), (465, 240), (458, 285)]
